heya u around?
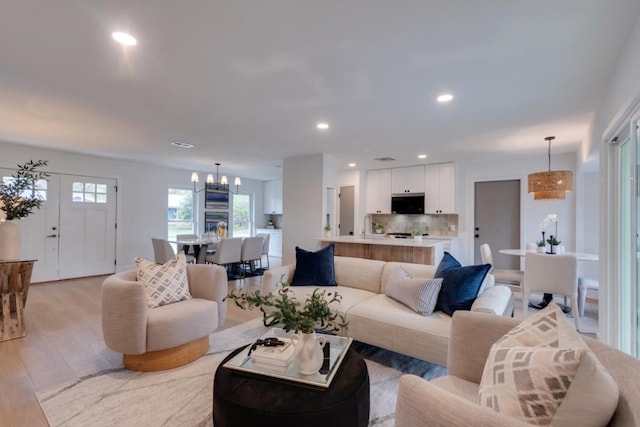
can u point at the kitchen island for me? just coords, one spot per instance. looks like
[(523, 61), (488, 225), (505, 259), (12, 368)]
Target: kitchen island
[(428, 251)]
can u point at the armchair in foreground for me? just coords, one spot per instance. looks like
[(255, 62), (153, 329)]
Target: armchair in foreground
[(164, 337)]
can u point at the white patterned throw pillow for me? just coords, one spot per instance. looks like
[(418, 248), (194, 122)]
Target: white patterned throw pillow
[(421, 295), (166, 283), (541, 372)]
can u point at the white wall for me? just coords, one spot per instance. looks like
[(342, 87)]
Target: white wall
[(142, 193), (303, 203), (619, 100), (532, 212)]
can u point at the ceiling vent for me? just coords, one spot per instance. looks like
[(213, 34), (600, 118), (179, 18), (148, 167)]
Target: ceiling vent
[(385, 159)]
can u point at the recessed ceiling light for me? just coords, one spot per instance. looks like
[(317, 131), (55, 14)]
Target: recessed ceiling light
[(182, 144), (124, 38), (323, 126), (352, 165), (422, 156), (446, 97)]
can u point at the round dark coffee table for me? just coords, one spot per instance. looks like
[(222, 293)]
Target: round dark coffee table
[(251, 400)]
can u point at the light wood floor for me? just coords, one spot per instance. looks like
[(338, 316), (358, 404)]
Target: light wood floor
[(64, 342)]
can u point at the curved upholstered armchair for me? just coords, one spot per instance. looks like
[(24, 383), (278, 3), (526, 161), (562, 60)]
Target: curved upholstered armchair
[(153, 339)]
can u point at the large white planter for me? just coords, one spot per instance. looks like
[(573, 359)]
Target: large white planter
[(308, 352), (10, 240)]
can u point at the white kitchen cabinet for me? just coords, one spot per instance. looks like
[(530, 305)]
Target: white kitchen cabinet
[(379, 191), (272, 197), (407, 180), (439, 188)]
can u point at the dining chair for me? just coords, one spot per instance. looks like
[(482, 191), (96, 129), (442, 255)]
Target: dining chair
[(163, 252), (228, 253), (509, 278), (584, 284), (265, 248), (553, 274), (188, 249), (251, 252)]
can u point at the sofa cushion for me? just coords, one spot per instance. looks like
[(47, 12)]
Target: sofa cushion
[(387, 323), (314, 268), (350, 296), (166, 283), (460, 284), (418, 294), (542, 372), (176, 324), (359, 273)]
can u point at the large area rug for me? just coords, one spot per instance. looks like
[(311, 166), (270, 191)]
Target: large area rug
[(183, 396)]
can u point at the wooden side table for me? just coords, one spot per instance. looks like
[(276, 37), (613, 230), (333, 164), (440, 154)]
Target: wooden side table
[(15, 277)]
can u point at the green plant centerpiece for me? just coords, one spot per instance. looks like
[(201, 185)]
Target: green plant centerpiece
[(379, 227), (327, 228), (301, 318), (282, 307), (18, 195), (416, 233)]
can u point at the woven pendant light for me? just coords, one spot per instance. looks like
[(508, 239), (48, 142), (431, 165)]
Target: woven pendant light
[(550, 185)]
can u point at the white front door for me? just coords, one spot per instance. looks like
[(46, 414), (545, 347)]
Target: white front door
[(87, 226)]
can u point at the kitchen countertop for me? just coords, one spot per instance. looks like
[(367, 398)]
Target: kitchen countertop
[(387, 241)]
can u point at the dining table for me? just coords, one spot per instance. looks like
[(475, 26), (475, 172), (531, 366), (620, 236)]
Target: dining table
[(201, 246), (547, 298)]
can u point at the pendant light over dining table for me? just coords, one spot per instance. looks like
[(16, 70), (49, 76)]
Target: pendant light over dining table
[(550, 185), (220, 184)]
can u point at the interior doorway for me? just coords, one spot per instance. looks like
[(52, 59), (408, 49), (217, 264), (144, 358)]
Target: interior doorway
[(497, 220), (346, 211)]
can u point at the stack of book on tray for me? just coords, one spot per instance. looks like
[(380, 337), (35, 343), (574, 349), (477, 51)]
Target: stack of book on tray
[(277, 357)]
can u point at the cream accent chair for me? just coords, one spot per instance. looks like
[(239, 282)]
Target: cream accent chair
[(452, 400), (551, 274), (153, 339), (510, 278), (163, 252)]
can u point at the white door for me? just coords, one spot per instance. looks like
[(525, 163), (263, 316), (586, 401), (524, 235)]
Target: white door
[(87, 226)]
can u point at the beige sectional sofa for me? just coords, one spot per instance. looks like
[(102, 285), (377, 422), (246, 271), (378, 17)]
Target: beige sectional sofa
[(377, 319)]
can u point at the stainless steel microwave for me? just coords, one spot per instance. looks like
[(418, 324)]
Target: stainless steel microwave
[(407, 203)]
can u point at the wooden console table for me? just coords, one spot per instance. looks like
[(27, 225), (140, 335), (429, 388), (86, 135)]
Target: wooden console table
[(15, 277)]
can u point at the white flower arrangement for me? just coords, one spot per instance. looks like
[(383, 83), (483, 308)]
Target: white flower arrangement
[(547, 219)]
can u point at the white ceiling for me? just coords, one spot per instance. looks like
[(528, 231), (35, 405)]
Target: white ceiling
[(246, 81)]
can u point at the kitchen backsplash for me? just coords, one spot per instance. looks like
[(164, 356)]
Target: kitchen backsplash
[(445, 225)]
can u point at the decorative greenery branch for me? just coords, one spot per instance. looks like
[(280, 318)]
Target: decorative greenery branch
[(18, 195), (282, 307)]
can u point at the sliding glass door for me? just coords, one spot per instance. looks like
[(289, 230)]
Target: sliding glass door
[(621, 301)]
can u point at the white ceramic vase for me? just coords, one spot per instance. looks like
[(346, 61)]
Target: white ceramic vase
[(10, 240), (417, 239), (540, 249), (308, 355)]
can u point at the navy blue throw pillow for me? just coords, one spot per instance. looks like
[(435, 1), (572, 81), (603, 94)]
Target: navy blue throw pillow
[(314, 268), (460, 285), (447, 262)]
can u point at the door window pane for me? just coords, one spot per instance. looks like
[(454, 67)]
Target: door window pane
[(89, 192)]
